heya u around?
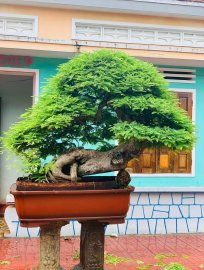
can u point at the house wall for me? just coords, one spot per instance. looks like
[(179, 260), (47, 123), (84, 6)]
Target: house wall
[(47, 68), (62, 27), (56, 35)]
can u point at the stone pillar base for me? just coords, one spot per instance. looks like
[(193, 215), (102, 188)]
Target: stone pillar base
[(50, 246), (78, 267), (91, 246), (37, 268)]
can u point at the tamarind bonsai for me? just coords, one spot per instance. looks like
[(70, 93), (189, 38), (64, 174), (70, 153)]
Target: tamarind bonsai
[(95, 99)]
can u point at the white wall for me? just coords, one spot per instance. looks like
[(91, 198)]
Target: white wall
[(16, 96)]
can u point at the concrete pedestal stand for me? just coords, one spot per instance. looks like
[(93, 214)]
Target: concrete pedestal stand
[(50, 246), (91, 246)]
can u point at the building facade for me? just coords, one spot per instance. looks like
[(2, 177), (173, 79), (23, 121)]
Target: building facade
[(37, 36)]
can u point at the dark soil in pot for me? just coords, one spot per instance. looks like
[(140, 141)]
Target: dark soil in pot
[(87, 183)]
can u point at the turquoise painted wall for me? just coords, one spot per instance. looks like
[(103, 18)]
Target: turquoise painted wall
[(47, 68), (198, 179)]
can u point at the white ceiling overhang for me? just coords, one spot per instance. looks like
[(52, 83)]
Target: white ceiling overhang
[(171, 8)]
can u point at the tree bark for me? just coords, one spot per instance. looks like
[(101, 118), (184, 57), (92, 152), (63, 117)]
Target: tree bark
[(80, 162)]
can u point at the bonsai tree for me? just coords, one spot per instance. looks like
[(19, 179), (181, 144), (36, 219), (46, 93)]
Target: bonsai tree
[(98, 99)]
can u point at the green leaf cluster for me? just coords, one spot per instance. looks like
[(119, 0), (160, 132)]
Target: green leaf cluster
[(177, 139), (175, 266), (95, 98), (114, 260)]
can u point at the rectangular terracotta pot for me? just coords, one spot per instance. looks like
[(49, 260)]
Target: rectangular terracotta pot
[(34, 207)]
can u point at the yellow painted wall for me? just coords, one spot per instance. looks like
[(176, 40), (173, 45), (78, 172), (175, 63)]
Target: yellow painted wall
[(57, 24)]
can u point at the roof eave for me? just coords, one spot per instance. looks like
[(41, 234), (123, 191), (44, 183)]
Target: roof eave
[(179, 9)]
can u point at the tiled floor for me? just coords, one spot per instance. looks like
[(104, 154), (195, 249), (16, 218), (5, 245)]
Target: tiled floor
[(145, 252)]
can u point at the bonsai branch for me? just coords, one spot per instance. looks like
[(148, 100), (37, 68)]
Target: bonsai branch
[(73, 165), (73, 172), (100, 109)]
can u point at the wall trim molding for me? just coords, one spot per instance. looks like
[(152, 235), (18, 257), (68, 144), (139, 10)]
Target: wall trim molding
[(137, 33), (168, 189), (19, 19), (141, 25), (99, 44)]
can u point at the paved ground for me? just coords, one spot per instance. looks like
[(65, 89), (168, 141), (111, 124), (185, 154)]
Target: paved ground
[(143, 252)]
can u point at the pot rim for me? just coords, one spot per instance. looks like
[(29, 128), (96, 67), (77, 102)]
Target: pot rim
[(16, 192)]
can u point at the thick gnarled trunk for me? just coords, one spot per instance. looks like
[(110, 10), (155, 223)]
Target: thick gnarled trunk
[(79, 162)]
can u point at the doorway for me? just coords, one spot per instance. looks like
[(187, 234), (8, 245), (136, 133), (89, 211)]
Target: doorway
[(16, 95)]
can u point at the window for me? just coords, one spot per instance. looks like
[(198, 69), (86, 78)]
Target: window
[(162, 160), (18, 25)]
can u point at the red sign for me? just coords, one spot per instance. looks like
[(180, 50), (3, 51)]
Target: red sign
[(15, 61)]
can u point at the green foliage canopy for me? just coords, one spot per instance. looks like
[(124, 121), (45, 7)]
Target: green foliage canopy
[(97, 97)]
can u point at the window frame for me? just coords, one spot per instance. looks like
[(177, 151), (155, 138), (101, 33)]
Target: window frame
[(192, 174)]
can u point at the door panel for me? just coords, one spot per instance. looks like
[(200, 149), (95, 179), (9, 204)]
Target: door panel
[(146, 163), (183, 162), (164, 161), (185, 102)]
